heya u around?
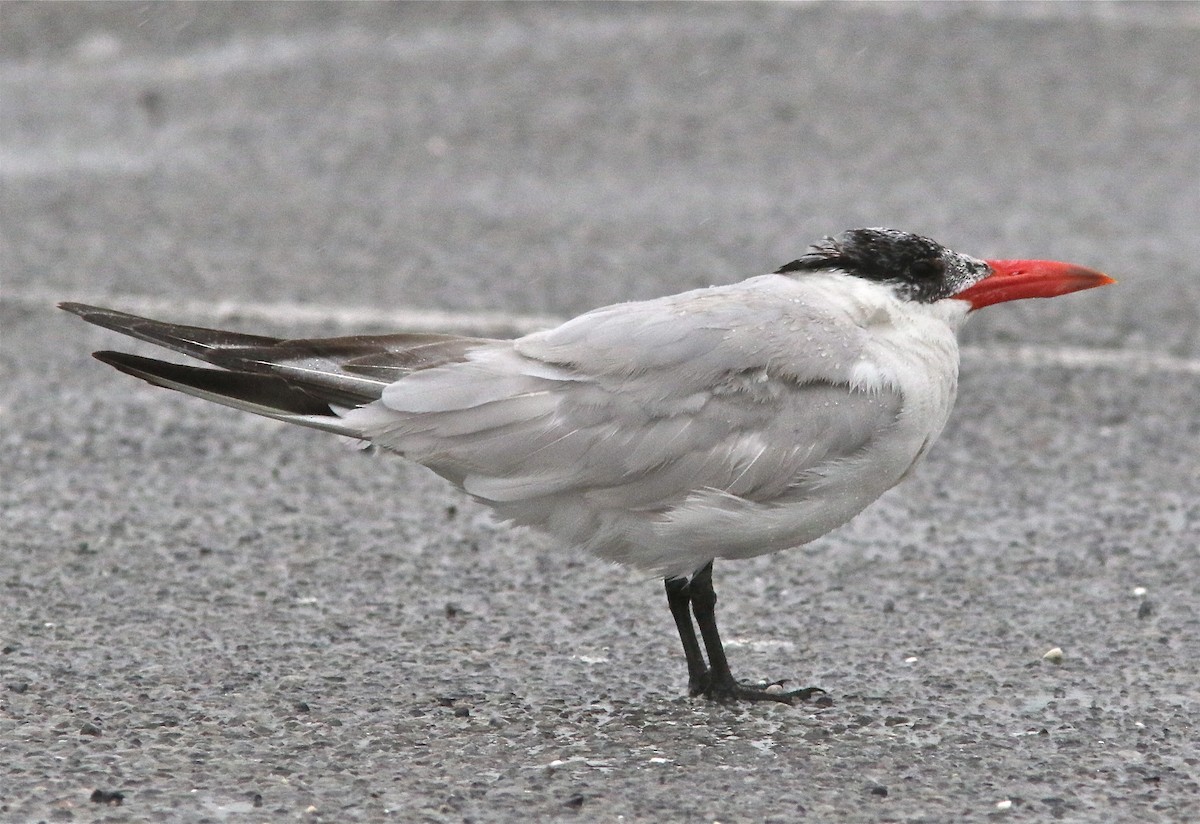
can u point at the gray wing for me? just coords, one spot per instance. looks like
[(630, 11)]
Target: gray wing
[(636, 406)]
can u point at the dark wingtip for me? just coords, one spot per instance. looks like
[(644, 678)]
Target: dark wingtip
[(268, 394), (135, 365), (108, 356), (122, 362), (81, 309), (97, 314)]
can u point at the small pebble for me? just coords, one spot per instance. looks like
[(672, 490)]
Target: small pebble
[(112, 799), (1054, 655)]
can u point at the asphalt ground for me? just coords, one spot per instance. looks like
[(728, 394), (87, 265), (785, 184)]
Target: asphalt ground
[(210, 617)]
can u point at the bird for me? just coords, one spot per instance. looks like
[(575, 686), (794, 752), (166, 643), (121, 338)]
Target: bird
[(724, 422)]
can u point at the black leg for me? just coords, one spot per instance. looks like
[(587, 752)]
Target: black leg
[(679, 600), (704, 603), (721, 684)]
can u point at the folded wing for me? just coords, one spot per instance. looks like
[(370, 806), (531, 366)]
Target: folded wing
[(637, 406)]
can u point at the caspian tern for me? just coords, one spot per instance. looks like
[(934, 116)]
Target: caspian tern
[(725, 422)]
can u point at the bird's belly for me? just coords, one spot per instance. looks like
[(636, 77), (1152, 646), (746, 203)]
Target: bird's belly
[(715, 524)]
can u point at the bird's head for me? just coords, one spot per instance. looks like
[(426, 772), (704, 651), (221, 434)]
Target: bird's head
[(924, 271)]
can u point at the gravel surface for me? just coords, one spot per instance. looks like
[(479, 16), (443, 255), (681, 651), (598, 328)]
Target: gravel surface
[(207, 617)]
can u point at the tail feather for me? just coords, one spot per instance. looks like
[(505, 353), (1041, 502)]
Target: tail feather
[(266, 395), (194, 341), (303, 381)]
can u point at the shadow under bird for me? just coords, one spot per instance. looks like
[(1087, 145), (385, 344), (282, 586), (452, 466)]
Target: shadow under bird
[(725, 422)]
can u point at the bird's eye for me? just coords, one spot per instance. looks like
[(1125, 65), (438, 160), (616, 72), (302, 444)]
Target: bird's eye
[(927, 269)]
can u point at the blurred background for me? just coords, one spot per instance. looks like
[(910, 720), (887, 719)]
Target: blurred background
[(546, 159)]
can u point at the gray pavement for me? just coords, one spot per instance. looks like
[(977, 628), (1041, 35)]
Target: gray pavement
[(223, 619)]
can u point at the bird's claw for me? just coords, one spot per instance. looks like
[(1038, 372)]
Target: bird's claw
[(733, 691)]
